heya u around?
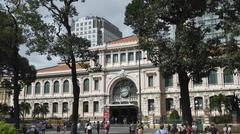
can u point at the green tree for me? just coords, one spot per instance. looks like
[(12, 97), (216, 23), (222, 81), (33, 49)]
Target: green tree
[(57, 39), (40, 109), (217, 101), (24, 109), (36, 111), (187, 54), (4, 109), (229, 14), (174, 115), (14, 67), (44, 110), (6, 128)]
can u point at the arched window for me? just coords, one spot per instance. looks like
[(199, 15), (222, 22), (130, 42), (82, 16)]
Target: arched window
[(46, 87), (138, 55), (55, 107), (85, 106), (29, 89), (56, 87), (169, 104), (66, 86), (86, 85), (65, 107), (37, 88), (198, 103), (169, 81), (212, 78), (228, 76)]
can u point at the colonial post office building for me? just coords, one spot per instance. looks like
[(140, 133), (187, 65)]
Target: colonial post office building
[(114, 91)]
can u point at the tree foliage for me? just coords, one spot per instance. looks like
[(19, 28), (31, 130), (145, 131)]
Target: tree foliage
[(6, 128), (4, 109), (24, 108), (40, 109), (186, 54), (56, 38), (229, 14), (13, 66), (174, 115)]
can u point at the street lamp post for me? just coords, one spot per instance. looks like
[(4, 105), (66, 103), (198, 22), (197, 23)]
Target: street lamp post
[(139, 56)]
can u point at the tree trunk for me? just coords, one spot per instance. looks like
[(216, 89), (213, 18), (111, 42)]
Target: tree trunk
[(185, 100), (76, 91), (16, 87)]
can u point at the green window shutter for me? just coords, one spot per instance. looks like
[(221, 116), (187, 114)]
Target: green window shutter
[(169, 81), (212, 78), (66, 86)]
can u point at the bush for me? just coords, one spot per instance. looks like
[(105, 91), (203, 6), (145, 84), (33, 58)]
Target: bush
[(221, 119), (6, 128), (174, 115)]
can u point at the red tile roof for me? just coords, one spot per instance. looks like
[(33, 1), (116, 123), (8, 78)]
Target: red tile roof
[(131, 38), (59, 67)]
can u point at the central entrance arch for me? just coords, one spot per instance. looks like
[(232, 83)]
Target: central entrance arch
[(123, 105)]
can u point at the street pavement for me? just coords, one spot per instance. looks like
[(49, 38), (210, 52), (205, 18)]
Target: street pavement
[(113, 130)]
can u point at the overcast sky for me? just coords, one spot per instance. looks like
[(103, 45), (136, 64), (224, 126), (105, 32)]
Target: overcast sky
[(112, 10)]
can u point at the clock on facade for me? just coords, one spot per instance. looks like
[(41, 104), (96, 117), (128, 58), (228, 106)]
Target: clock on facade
[(124, 92)]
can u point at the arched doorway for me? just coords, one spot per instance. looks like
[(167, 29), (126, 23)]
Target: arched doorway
[(123, 105)]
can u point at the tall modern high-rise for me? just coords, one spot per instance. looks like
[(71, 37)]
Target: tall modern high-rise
[(96, 29), (210, 21)]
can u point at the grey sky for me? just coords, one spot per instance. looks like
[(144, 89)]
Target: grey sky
[(112, 10)]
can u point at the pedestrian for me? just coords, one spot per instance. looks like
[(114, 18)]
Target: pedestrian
[(161, 130), (107, 127), (174, 129), (194, 128), (229, 129), (89, 128), (182, 129), (168, 128), (140, 128), (132, 128), (78, 127), (98, 126), (188, 129), (85, 127), (24, 129), (64, 128), (225, 129), (206, 130), (213, 129), (58, 128), (43, 127)]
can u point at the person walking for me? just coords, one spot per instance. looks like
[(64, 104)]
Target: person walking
[(78, 127), (229, 129), (132, 128), (140, 128), (174, 129), (194, 128), (161, 130), (89, 128), (213, 129), (98, 127), (43, 127), (58, 128), (225, 129), (107, 127)]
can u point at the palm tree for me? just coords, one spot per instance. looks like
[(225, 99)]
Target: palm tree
[(24, 109), (40, 109), (36, 111), (43, 110)]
